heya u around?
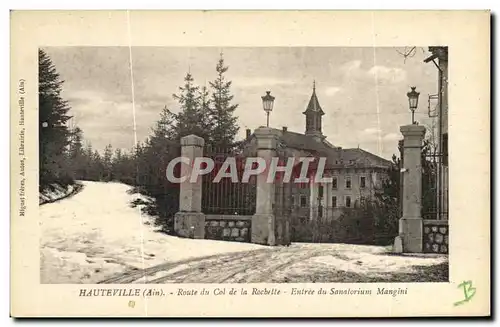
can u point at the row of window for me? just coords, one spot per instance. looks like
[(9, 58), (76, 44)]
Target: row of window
[(348, 203), (348, 182)]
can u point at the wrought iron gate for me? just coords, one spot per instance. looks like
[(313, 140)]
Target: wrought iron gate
[(225, 197)]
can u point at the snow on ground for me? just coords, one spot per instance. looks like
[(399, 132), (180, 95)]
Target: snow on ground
[(55, 193), (359, 260), (96, 233), (298, 263), (366, 258)]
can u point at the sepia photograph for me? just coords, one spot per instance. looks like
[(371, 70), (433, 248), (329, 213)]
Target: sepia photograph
[(250, 163), (302, 164)]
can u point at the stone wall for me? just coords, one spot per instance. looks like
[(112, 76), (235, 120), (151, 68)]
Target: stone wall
[(436, 236), (190, 224), (228, 228)]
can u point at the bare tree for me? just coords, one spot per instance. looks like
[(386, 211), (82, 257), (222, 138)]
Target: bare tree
[(409, 52)]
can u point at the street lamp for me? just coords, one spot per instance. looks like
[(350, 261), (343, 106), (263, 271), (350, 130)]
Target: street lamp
[(267, 103), (413, 102)]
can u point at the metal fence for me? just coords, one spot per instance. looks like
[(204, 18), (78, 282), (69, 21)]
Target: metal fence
[(434, 186), (226, 197)]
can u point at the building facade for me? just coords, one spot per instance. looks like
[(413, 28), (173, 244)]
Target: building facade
[(355, 173), (276, 212)]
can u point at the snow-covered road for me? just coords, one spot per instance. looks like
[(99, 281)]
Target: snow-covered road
[(96, 236), (96, 233), (304, 263)]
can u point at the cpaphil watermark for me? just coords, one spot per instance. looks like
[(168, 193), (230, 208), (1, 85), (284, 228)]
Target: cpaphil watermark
[(295, 170)]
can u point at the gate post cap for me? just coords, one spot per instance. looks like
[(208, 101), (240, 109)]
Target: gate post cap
[(192, 140), (413, 130), (266, 132)]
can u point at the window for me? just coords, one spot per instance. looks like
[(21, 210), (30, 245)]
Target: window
[(303, 201), (362, 182), (348, 182), (293, 200), (334, 201), (318, 123), (309, 122), (334, 183), (348, 201), (320, 191)]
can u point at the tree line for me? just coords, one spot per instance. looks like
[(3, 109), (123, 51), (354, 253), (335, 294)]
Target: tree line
[(208, 112)]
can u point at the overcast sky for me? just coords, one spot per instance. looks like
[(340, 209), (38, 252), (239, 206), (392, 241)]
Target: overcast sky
[(361, 90)]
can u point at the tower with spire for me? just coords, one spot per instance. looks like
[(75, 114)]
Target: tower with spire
[(313, 115)]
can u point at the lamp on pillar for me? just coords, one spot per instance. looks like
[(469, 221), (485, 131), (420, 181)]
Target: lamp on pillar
[(413, 102), (267, 103)]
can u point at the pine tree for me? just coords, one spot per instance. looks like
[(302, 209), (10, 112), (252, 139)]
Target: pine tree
[(159, 149), (124, 167), (76, 154), (97, 171), (54, 135), (140, 164), (225, 126), (117, 165), (165, 126), (191, 118), (88, 154), (207, 122), (107, 163), (224, 129), (117, 155)]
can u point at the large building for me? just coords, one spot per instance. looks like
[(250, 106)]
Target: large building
[(355, 173)]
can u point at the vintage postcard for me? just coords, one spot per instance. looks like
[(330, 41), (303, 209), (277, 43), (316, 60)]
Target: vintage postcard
[(250, 163)]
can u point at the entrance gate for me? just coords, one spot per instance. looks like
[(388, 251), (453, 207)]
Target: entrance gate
[(228, 206)]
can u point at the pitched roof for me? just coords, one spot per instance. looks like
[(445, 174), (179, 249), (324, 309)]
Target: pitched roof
[(359, 156), (336, 157), (303, 142)]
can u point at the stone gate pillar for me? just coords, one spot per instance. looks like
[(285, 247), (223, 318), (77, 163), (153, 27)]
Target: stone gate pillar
[(410, 224), (263, 222), (190, 221)]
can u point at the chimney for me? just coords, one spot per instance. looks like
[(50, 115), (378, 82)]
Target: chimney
[(285, 128), (249, 132)]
